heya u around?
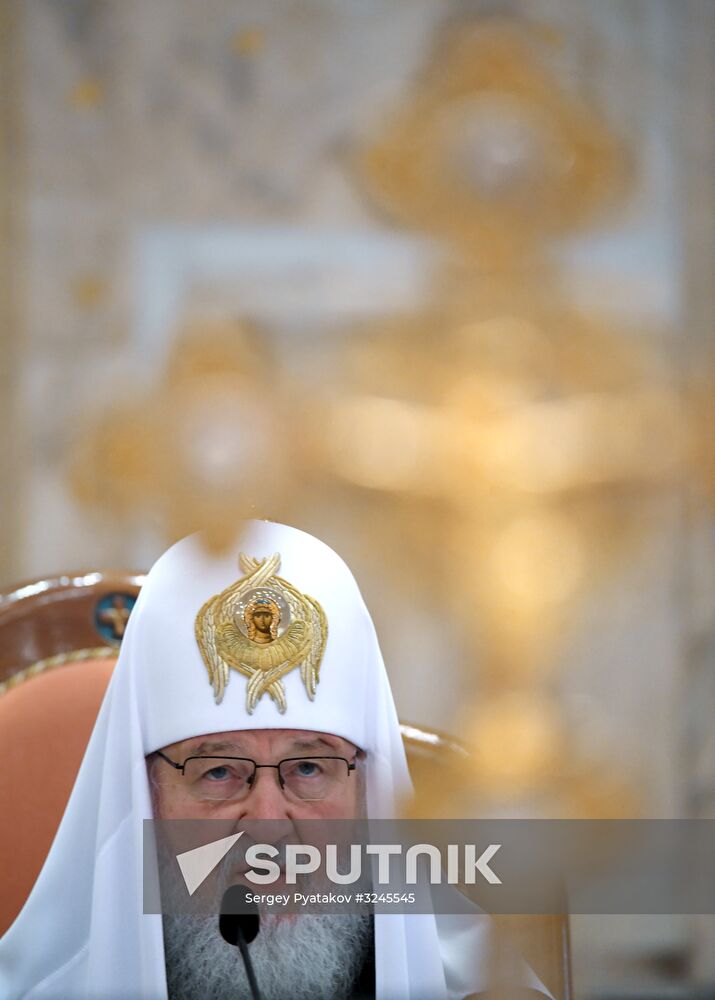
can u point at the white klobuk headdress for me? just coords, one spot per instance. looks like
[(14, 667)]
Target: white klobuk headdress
[(189, 666)]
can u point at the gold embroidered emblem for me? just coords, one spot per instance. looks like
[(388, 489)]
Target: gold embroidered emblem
[(263, 627)]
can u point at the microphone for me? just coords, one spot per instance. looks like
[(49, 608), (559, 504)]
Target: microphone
[(239, 923)]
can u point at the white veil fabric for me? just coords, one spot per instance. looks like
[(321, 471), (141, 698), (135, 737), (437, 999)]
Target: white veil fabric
[(82, 932)]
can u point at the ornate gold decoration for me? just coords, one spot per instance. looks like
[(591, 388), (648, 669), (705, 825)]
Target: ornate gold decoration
[(519, 457), (263, 627), (490, 151), (200, 448)]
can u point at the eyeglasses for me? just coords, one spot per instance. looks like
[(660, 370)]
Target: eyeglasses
[(218, 778)]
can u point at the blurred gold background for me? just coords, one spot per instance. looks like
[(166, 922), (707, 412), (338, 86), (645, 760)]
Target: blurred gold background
[(432, 282)]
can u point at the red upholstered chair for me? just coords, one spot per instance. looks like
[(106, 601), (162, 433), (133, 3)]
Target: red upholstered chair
[(58, 645), (59, 639), (45, 725)]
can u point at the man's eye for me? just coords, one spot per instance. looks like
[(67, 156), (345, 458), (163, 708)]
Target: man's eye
[(307, 769), (217, 774)]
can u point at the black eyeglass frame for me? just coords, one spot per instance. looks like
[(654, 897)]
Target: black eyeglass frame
[(351, 765)]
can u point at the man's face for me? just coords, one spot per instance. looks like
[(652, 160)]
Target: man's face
[(265, 800), (338, 948)]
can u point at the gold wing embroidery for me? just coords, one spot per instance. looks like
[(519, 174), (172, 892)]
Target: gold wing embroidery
[(233, 647), (216, 667)]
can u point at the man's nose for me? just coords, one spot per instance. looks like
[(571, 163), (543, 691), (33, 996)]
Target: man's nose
[(266, 799)]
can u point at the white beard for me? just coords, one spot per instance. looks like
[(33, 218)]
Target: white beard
[(308, 957)]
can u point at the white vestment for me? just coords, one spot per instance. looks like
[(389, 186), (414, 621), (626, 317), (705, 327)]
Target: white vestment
[(82, 932)]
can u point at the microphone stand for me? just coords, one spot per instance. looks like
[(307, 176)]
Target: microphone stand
[(239, 923), (245, 954)]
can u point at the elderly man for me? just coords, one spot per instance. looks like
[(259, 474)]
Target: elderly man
[(249, 686), (285, 777)]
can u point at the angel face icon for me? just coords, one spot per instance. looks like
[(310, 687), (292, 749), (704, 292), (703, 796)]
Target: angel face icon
[(262, 618)]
